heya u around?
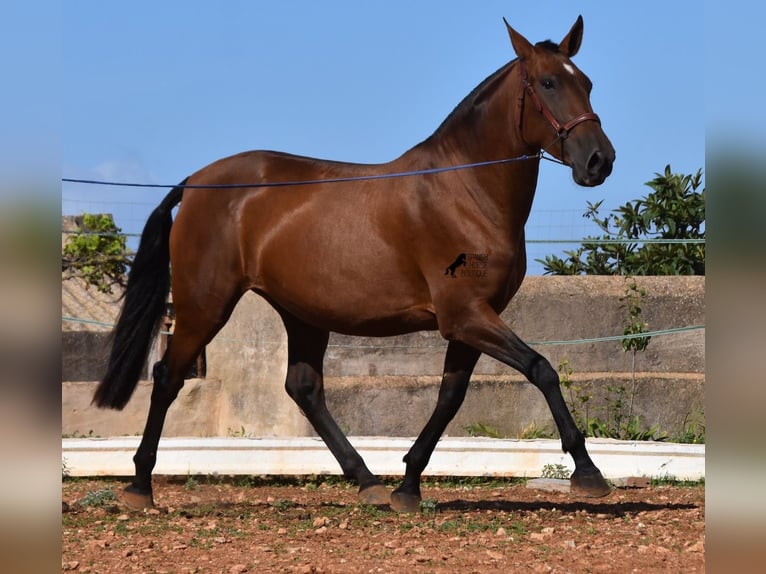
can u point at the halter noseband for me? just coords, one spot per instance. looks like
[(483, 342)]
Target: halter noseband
[(562, 132)]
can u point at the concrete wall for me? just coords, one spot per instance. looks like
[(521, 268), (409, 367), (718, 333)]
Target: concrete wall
[(388, 386)]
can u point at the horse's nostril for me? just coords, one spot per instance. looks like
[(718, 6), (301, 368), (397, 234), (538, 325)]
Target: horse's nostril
[(595, 161)]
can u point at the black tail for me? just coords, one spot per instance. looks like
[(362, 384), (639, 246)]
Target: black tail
[(144, 305)]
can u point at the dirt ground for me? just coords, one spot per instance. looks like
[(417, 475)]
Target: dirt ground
[(316, 525)]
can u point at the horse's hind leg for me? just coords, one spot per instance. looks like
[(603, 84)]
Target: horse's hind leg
[(306, 348), (458, 366), (192, 332)]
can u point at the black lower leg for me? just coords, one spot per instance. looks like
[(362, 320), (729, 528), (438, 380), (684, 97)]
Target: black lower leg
[(163, 394), (451, 396), (304, 385), (459, 365), (586, 478)]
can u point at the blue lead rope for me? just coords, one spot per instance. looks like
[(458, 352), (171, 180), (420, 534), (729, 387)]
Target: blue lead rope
[(430, 171)]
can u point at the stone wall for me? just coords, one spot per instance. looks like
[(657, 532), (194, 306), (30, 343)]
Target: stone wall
[(388, 386)]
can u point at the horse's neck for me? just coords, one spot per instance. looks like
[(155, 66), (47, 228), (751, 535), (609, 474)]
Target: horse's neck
[(483, 128), (506, 189)]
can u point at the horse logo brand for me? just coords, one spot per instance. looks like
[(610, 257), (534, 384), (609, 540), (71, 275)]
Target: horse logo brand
[(459, 262), (474, 265)]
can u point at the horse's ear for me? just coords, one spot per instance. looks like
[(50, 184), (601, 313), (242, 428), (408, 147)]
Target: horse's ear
[(571, 42), (520, 44)]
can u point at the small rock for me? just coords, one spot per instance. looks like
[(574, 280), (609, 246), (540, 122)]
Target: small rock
[(570, 544), (123, 517), (549, 484), (501, 532), (321, 521), (320, 530), (238, 569), (71, 565), (632, 482), (495, 555)]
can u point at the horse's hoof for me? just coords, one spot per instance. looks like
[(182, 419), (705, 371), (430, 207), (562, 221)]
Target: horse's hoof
[(590, 485), (405, 503), (133, 499), (375, 495)]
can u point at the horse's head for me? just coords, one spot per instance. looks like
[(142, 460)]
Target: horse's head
[(553, 110)]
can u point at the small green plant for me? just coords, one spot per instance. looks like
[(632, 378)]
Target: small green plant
[(98, 498), (241, 432), (191, 483), (283, 504), (532, 431), (482, 429), (693, 429), (635, 326), (618, 422), (428, 506), (578, 399), (78, 434), (555, 471), (670, 480), (65, 470)]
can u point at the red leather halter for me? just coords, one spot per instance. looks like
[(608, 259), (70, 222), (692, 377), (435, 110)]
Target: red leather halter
[(561, 131)]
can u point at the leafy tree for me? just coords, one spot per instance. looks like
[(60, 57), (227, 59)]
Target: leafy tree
[(97, 253), (674, 210)]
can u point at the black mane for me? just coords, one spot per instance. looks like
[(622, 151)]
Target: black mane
[(470, 100), (489, 83)]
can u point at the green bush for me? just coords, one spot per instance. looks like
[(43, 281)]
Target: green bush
[(674, 211)]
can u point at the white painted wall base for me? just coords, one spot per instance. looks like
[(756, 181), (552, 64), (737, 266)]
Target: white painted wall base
[(308, 456)]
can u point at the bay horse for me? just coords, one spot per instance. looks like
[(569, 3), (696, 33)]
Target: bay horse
[(313, 250)]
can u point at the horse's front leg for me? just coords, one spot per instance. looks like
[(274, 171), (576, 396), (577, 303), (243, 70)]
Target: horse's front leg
[(458, 366), (484, 330)]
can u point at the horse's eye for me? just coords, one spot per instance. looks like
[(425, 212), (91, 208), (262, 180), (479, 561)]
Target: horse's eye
[(547, 84)]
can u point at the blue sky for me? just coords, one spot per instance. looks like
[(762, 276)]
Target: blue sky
[(152, 91)]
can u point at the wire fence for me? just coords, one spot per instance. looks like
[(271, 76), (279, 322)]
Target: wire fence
[(602, 339), (549, 232)]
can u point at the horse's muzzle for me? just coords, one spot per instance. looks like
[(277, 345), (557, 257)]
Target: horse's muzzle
[(596, 169)]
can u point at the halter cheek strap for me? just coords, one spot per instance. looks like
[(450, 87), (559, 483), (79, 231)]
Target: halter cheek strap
[(562, 131)]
